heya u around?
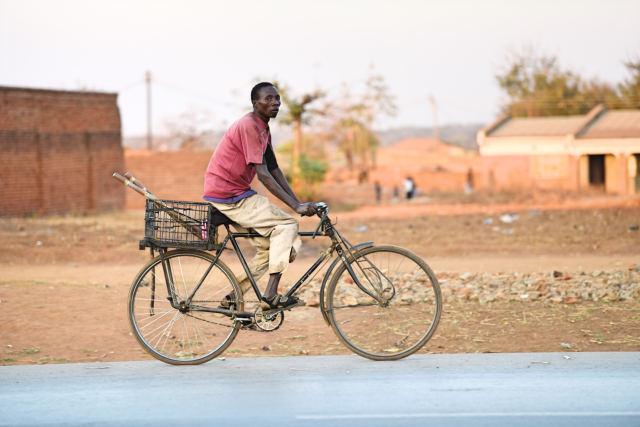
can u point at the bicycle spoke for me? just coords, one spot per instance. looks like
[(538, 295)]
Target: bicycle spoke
[(183, 336), (388, 329)]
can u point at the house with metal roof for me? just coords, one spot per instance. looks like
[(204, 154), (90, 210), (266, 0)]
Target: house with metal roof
[(599, 151)]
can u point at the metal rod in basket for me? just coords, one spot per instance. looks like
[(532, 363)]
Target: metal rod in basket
[(181, 219)]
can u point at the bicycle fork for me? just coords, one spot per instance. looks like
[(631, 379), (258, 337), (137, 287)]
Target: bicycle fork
[(341, 253)]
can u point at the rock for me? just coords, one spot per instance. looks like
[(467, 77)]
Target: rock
[(308, 294), (556, 300), (311, 302), (446, 291), (557, 274), (570, 300), (464, 293), (349, 301), (566, 346)]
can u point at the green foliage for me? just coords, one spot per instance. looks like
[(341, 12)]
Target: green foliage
[(312, 171), (536, 85), (313, 168), (630, 88), (29, 351)]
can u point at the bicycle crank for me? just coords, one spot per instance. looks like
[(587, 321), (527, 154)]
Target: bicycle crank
[(268, 322)]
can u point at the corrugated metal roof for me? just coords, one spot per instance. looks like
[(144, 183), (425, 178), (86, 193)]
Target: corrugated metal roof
[(539, 126), (615, 124)]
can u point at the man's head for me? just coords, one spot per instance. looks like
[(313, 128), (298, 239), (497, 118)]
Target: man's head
[(266, 100)]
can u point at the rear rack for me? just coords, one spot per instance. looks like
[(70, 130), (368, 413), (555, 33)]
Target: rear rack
[(175, 224)]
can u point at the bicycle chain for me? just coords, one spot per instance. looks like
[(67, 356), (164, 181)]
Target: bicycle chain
[(242, 328)]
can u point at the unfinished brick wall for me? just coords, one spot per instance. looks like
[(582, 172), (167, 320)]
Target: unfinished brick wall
[(58, 150), (173, 176), (170, 176)]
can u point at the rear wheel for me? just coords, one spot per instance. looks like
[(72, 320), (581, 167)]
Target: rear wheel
[(183, 336), (401, 318)]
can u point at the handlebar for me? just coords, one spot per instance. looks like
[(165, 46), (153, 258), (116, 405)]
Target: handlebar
[(322, 207), (323, 211)]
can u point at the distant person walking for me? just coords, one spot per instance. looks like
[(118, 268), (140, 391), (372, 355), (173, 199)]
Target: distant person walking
[(378, 192), (396, 195), (468, 187), (409, 188)]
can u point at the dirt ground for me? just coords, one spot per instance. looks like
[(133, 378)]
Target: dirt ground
[(64, 280)]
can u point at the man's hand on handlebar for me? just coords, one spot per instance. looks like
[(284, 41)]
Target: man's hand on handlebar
[(306, 209)]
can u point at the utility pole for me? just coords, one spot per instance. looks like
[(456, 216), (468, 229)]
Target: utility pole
[(434, 109), (149, 136)]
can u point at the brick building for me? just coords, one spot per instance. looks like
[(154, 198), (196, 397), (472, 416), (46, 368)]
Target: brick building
[(434, 165), (598, 151), (58, 150)]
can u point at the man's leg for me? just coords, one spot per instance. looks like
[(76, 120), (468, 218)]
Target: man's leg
[(266, 219), (283, 237), (259, 264)]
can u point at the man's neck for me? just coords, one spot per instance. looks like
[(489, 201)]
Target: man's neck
[(262, 117)]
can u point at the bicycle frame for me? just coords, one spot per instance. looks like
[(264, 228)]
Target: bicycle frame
[(341, 246)]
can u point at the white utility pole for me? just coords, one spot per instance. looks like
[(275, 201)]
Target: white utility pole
[(149, 136), (434, 109)]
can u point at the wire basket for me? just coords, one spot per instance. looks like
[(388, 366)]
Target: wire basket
[(173, 224)]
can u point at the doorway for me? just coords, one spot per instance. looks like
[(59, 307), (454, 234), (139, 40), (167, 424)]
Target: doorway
[(596, 170), (637, 156)]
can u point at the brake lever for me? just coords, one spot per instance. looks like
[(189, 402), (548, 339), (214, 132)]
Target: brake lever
[(324, 216)]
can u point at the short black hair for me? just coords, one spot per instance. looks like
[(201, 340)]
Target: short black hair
[(256, 90)]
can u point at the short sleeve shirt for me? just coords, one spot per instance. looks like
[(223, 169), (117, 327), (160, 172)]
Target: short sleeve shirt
[(231, 168)]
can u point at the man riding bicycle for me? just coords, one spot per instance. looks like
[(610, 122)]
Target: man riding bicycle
[(244, 151)]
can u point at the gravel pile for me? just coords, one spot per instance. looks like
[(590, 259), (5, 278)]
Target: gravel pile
[(549, 287)]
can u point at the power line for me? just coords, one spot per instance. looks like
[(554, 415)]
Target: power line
[(176, 88), (129, 86)]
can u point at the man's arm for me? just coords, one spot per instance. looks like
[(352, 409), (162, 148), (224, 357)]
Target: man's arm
[(282, 182), (272, 183)]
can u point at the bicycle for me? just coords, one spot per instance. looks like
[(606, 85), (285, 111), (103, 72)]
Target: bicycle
[(383, 302)]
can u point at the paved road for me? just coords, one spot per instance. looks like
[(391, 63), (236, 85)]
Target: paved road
[(590, 389)]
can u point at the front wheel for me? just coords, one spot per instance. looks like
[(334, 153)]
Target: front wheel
[(401, 318), (183, 335)]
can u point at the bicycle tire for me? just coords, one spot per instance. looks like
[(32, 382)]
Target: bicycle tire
[(416, 292), (202, 330)]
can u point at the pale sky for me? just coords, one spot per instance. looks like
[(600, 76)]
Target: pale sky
[(202, 52)]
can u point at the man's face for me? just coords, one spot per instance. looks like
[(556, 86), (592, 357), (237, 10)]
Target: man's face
[(268, 103)]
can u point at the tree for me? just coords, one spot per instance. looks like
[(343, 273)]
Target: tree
[(297, 114), (190, 130), (537, 86), (356, 116), (313, 165), (630, 88)]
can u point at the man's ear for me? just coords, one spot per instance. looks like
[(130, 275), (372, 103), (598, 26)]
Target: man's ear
[(254, 104)]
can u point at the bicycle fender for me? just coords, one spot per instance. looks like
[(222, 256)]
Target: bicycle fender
[(323, 310)]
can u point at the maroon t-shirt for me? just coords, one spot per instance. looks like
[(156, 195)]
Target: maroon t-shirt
[(231, 168)]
